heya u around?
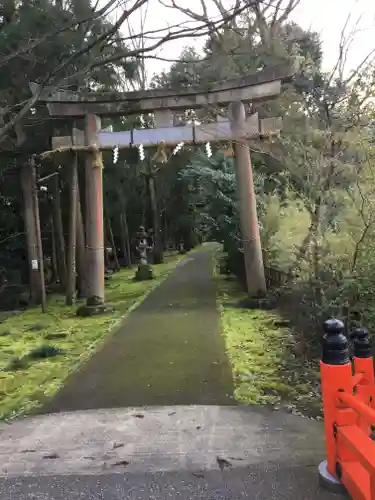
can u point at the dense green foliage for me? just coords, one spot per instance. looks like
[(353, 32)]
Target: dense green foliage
[(314, 201)]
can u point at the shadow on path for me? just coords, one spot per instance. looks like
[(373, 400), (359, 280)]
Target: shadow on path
[(169, 351)]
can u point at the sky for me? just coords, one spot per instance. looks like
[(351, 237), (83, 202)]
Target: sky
[(327, 17)]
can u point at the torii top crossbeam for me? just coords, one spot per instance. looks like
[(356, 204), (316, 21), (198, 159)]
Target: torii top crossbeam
[(259, 86)]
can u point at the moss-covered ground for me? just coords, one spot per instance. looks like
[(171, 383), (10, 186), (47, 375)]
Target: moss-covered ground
[(266, 365), (38, 351)]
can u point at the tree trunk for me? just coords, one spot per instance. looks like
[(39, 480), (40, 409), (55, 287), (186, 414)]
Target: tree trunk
[(38, 236), (61, 258), (312, 231), (125, 240), (158, 247), (54, 254), (112, 241), (125, 230), (144, 199), (106, 260), (80, 249), (35, 283), (318, 292), (71, 273), (165, 229)]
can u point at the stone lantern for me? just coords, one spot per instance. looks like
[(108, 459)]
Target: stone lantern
[(144, 271)]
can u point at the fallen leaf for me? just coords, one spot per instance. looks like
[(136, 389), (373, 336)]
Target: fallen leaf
[(117, 445), (222, 463), (51, 456), (121, 462), (200, 476)]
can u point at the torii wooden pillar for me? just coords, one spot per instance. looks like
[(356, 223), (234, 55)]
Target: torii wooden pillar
[(94, 217), (252, 248)]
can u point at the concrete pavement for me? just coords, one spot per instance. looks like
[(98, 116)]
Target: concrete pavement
[(164, 452)]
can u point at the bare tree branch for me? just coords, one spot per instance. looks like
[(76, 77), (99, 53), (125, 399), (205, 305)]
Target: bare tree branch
[(33, 44), (285, 11), (200, 30), (197, 25), (104, 37)]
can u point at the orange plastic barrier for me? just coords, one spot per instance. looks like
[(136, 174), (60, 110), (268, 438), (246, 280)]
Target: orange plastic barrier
[(348, 391)]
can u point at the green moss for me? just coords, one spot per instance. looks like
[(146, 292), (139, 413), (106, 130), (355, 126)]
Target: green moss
[(22, 390), (265, 369)]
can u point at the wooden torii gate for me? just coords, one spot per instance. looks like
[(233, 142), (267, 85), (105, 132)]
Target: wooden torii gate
[(164, 104)]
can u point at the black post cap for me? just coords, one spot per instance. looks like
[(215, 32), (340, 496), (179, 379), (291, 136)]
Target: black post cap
[(335, 346), (361, 343)]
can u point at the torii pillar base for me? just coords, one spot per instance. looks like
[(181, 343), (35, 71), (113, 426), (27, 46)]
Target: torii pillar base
[(94, 307)]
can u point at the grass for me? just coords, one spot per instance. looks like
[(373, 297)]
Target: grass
[(38, 351), (260, 349)]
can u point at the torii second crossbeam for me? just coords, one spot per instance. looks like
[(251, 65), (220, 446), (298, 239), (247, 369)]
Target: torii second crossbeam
[(188, 134)]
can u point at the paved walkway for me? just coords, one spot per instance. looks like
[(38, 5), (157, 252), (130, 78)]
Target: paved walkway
[(162, 453), (169, 351)]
